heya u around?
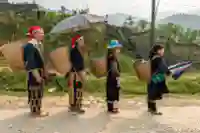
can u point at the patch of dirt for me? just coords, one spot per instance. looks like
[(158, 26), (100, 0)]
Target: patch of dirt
[(180, 115)]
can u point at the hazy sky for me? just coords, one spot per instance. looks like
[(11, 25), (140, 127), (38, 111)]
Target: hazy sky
[(140, 7)]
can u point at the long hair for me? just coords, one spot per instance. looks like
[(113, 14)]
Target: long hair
[(110, 52), (154, 50)]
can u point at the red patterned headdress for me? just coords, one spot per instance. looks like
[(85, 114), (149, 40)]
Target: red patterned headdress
[(32, 30), (74, 39)]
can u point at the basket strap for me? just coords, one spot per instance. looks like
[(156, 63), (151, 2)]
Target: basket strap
[(154, 57)]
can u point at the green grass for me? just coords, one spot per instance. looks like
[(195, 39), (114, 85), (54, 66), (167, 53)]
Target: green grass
[(14, 83), (130, 85)]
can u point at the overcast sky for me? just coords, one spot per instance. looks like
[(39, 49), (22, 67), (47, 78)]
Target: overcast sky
[(140, 7)]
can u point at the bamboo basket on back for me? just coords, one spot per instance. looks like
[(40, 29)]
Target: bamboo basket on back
[(97, 64), (13, 53), (143, 70), (60, 60), (98, 67)]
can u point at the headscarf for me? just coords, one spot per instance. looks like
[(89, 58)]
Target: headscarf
[(75, 39), (32, 30)]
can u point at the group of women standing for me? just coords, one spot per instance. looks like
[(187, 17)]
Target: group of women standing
[(77, 75), (156, 87), (34, 64)]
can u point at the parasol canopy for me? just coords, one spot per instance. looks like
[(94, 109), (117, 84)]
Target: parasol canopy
[(76, 23)]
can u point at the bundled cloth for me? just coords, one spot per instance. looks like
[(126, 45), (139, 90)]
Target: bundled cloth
[(178, 69)]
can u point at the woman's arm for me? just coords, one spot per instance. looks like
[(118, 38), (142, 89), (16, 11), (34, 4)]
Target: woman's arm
[(163, 67)]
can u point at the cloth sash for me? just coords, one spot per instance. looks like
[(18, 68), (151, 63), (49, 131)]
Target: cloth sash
[(158, 76)]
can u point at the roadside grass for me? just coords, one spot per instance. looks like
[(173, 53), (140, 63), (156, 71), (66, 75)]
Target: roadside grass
[(14, 83)]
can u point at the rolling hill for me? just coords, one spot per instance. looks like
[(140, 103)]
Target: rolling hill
[(185, 20), (190, 20), (162, 15)]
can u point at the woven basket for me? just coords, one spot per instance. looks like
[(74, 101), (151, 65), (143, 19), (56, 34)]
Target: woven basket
[(13, 53), (98, 67), (143, 70), (60, 60)]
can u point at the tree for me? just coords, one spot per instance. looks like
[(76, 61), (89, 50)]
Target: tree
[(129, 21), (84, 11), (142, 25), (13, 24), (34, 2), (74, 12), (63, 9), (80, 11)]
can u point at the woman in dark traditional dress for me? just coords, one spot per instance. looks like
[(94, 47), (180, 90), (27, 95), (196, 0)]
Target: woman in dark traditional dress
[(113, 82), (34, 65), (77, 75), (157, 86)]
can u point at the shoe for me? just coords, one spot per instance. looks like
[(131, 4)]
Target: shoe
[(43, 114), (154, 112), (40, 114), (80, 111), (72, 109), (114, 111)]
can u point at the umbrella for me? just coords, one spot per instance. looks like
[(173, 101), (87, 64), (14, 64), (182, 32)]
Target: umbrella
[(77, 22)]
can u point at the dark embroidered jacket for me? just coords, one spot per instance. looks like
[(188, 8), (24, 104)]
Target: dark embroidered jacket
[(32, 60), (77, 60), (112, 77)]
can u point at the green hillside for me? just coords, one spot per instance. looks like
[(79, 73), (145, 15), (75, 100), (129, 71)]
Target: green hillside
[(134, 36)]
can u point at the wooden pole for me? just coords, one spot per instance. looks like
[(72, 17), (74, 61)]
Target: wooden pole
[(152, 33)]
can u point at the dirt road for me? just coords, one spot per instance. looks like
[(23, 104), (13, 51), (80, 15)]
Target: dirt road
[(180, 115)]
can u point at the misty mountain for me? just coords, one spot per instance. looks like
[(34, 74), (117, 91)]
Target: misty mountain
[(118, 19), (194, 12), (162, 15), (185, 20)]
